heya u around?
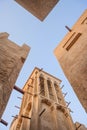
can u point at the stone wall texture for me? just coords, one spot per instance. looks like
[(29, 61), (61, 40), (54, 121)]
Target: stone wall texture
[(39, 8), (71, 53), (12, 58)]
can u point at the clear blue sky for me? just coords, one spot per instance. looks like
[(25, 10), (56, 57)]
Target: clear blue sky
[(42, 37)]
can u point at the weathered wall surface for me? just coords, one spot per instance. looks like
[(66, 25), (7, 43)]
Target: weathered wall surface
[(55, 117), (12, 58), (39, 8), (72, 56)]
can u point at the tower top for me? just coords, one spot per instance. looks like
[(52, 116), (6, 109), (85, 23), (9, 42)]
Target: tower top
[(39, 8), (41, 71)]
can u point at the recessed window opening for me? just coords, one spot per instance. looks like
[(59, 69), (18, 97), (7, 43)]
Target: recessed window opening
[(50, 89), (42, 89)]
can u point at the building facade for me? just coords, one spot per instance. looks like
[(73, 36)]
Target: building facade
[(12, 58), (71, 53), (43, 106), (39, 8)]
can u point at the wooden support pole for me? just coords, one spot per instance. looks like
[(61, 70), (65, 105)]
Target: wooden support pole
[(3, 122), (25, 117), (41, 69), (68, 103), (70, 110), (15, 116), (65, 94), (62, 87), (78, 127), (68, 28), (42, 112), (17, 107), (19, 98), (19, 89)]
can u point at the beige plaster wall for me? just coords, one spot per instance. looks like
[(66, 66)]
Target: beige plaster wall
[(12, 58), (74, 61)]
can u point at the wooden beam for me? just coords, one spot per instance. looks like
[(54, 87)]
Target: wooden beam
[(3, 122), (18, 89)]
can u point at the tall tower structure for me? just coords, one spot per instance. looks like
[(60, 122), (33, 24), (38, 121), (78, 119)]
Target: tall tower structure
[(12, 58), (43, 106), (71, 53)]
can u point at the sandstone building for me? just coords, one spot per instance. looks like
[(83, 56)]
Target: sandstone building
[(12, 58), (43, 106), (72, 56), (39, 8)]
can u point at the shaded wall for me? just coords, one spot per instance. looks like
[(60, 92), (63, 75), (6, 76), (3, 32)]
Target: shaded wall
[(12, 58)]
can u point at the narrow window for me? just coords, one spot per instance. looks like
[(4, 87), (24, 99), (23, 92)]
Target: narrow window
[(71, 41), (42, 91), (50, 90), (84, 21)]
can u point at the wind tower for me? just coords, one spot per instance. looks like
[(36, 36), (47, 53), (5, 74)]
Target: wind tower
[(43, 106)]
